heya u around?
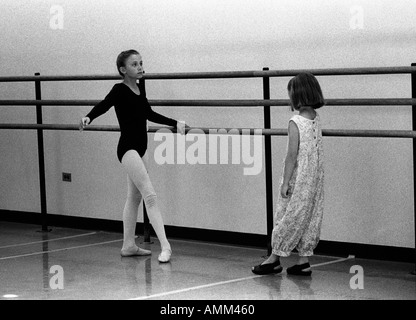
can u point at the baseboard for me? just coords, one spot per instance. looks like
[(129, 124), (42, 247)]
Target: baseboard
[(325, 247)]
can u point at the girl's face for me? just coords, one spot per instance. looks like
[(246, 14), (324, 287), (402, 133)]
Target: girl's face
[(133, 67)]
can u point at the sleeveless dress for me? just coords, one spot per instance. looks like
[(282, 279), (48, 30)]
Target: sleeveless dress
[(298, 218)]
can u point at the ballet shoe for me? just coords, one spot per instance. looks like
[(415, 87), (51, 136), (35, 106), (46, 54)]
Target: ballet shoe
[(164, 256), (135, 252), (267, 268), (297, 270)]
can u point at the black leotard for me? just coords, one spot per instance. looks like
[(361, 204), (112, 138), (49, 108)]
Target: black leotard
[(132, 112)]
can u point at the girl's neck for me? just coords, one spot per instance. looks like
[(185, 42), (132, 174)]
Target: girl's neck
[(132, 83), (307, 112)]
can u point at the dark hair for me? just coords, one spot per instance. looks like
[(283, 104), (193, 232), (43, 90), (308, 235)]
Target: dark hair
[(122, 57), (305, 91)]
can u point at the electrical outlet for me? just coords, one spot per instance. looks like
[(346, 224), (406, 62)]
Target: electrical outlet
[(66, 177)]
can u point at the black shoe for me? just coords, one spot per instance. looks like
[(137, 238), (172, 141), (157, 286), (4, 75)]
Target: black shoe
[(298, 270), (267, 268)]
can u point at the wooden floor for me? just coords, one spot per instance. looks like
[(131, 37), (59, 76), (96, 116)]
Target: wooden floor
[(75, 264)]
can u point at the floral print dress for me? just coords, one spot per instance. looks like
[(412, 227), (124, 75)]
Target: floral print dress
[(298, 218)]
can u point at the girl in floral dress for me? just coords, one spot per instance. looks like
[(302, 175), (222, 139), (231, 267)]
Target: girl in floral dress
[(299, 211)]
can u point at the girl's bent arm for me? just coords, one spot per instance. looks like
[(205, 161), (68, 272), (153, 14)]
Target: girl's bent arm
[(103, 106), (152, 115), (161, 119), (292, 155)]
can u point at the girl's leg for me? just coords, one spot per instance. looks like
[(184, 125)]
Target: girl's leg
[(303, 260), (269, 266), (130, 213), (271, 259), (311, 235), (137, 172)]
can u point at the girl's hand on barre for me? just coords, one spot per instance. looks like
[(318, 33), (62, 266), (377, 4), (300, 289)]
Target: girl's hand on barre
[(84, 122), (181, 126)]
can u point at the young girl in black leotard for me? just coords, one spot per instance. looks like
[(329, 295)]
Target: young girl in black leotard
[(133, 111)]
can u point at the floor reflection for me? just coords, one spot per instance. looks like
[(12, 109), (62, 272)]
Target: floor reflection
[(94, 269)]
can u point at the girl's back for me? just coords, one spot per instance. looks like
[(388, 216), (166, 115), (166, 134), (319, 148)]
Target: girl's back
[(309, 168)]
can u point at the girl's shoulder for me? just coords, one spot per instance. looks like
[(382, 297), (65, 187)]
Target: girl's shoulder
[(296, 119), (115, 92), (117, 87), (299, 118)]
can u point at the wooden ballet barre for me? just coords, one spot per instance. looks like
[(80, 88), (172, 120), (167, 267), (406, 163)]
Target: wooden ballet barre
[(282, 102), (226, 131), (220, 103), (281, 73), (223, 74)]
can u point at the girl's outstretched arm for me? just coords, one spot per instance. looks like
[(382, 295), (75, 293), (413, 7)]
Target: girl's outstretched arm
[(101, 108), (291, 157)]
